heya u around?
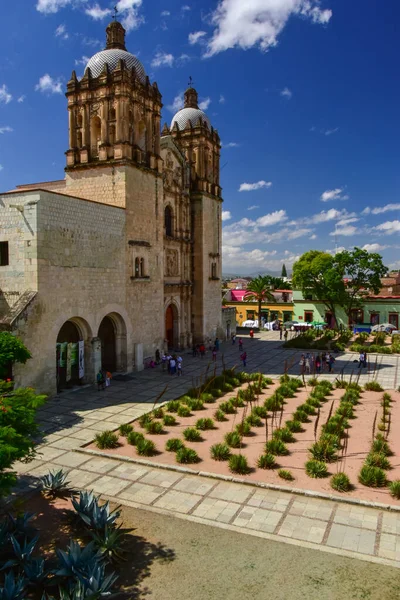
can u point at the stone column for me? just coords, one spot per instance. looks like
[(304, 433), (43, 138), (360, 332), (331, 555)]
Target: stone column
[(118, 121), (85, 127), (104, 123), (157, 135), (72, 135), (149, 132), (96, 356), (120, 349)]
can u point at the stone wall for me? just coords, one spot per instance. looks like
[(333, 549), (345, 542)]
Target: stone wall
[(105, 184)]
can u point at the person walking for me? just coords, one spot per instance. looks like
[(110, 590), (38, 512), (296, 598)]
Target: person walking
[(101, 382), (172, 366), (169, 358), (158, 357), (251, 333), (243, 358), (240, 344), (361, 360), (214, 354), (108, 378), (202, 350), (323, 361), (163, 361), (365, 360), (216, 344), (179, 365), (302, 364), (233, 339), (331, 362), (318, 364), (285, 335), (307, 363)]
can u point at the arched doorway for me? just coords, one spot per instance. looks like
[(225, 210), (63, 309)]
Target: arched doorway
[(171, 326), (67, 350), (108, 345)]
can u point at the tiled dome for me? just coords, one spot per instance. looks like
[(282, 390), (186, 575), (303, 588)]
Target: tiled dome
[(193, 115), (111, 57)]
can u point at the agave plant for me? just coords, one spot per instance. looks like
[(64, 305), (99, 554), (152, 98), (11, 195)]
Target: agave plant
[(54, 482), (76, 559), (95, 516), (109, 542), (22, 552), (36, 571), (13, 588), (21, 524), (91, 585)]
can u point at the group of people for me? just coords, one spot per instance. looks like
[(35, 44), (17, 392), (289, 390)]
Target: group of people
[(200, 349), (103, 378), (172, 363), (243, 356), (316, 364)]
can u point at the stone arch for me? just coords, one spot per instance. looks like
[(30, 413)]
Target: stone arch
[(71, 367), (95, 135), (112, 342), (169, 220), (172, 325)]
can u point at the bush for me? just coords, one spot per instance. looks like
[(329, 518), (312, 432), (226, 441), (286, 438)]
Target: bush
[(300, 415), (187, 456), (183, 411), (332, 439), (233, 439), (274, 403), (195, 404), (260, 411), (174, 444), (208, 398), (266, 461), (345, 410), (125, 429), (158, 413), (285, 474), (154, 427), (238, 464), (145, 419), (254, 420), (286, 391), (145, 447), (294, 426), (173, 405), (106, 439), (217, 393), (372, 476), (219, 415), (323, 451), (191, 434), (381, 446), (220, 452), (373, 386), (243, 428), (169, 420), (340, 482), (313, 401), (134, 437), (309, 410), (204, 424), (316, 469), (284, 434), (394, 487), (376, 459), (227, 387), (276, 447), (227, 407)]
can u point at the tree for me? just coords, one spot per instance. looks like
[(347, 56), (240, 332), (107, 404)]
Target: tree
[(284, 272), (341, 280), (259, 290), (12, 350)]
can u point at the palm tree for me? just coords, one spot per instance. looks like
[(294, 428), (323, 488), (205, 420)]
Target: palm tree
[(259, 290)]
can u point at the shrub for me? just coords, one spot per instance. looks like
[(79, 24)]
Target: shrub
[(394, 487), (309, 410), (376, 459), (174, 444), (145, 419), (345, 409), (54, 482), (106, 439), (228, 408), (233, 439), (373, 386), (285, 474), (183, 411), (195, 404), (273, 403), (125, 429), (340, 482), (134, 437), (351, 395), (300, 415), (266, 461), (294, 426), (313, 401), (145, 447), (187, 456), (158, 413), (286, 391), (238, 464), (276, 447), (204, 424), (372, 476), (312, 381), (154, 427), (316, 469), (208, 398), (332, 439), (173, 405), (227, 387), (254, 420), (220, 452), (381, 446), (191, 434), (284, 434), (217, 393), (260, 411), (243, 428), (169, 420), (237, 402), (219, 415), (323, 451)]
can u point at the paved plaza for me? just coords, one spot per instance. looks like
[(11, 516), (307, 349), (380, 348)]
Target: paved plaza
[(72, 419)]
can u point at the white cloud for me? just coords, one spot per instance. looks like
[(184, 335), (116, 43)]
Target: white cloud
[(82, 61), (21, 99), (204, 104), (177, 103), (162, 59), (389, 227), (248, 23), (1, 167), (277, 216), (286, 93), (249, 187), (48, 85), (97, 13), (313, 237), (226, 215), (51, 6), (6, 129), (221, 99), (5, 96), (344, 222), (253, 207), (366, 211), (329, 215), (129, 9), (196, 37), (185, 8), (165, 13), (183, 59), (230, 145), (61, 32), (92, 42), (347, 230), (336, 194), (373, 247), (382, 209), (330, 131)]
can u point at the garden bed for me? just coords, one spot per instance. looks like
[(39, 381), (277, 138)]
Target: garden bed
[(359, 439)]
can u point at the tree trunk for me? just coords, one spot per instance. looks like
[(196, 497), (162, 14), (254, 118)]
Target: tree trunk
[(259, 313)]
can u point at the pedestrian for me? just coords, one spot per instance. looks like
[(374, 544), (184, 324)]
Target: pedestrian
[(172, 366), (240, 344), (214, 354), (302, 363), (216, 344), (108, 378), (101, 382), (169, 358), (318, 364), (158, 357), (323, 361), (233, 339), (365, 360), (243, 358), (179, 365), (307, 363), (330, 362), (361, 359), (163, 361), (202, 350), (251, 333), (285, 335)]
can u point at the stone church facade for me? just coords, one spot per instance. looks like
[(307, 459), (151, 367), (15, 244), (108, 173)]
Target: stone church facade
[(123, 256)]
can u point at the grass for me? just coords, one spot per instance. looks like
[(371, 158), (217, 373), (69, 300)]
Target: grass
[(254, 420), (380, 445), (323, 451), (191, 434), (145, 419), (187, 456), (373, 386), (377, 459), (154, 427), (316, 469), (372, 476), (183, 411), (208, 398), (294, 426), (195, 404), (220, 452), (219, 415), (145, 447), (174, 444), (266, 461), (134, 437), (125, 429), (260, 411), (169, 420), (276, 447), (301, 415), (228, 408), (340, 482), (284, 434), (243, 428), (204, 424), (238, 464), (233, 439), (173, 405), (394, 487), (106, 440), (285, 474), (158, 413)]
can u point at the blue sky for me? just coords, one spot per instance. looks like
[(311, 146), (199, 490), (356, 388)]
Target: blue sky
[(304, 93)]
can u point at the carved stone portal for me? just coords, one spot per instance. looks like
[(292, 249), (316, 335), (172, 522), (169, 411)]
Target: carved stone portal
[(171, 263)]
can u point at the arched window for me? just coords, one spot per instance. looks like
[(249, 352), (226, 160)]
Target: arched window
[(141, 267), (137, 267), (213, 270), (168, 221)]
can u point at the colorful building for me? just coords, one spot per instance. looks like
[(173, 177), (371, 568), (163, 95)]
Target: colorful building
[(246, 310)]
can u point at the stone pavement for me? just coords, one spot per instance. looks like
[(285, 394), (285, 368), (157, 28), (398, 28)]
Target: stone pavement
[(72, 419)]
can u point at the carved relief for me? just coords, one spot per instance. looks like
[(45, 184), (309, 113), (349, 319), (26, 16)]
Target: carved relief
[(171, 263)]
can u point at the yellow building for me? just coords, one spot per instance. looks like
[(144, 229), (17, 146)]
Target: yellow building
[(247, 310)]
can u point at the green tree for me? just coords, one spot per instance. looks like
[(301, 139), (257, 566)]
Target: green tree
[(284, 272), (12, 350), (259, 290)]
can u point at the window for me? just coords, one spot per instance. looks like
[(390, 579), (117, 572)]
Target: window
[(140, 272), (4, 259), (141, 267), (374, 318), (308, 316), (168, 218), (250, 315), (137, 267), (356, 316), (394, 319), (308, 297), (214, 270)]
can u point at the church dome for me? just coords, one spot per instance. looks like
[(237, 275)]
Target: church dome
[(191, 114), (111, 58)]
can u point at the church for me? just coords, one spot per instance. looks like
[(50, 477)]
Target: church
[(122, 257)]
